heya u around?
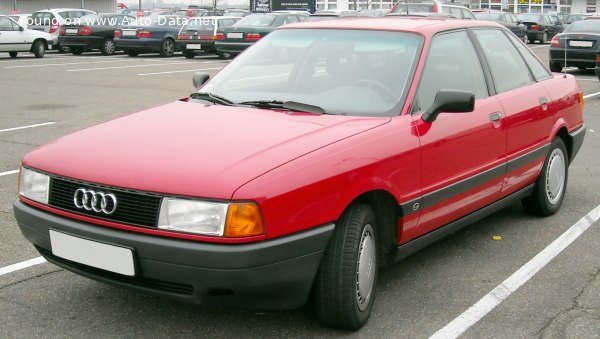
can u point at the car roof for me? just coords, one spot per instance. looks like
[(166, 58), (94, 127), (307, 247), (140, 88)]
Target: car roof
[(423, 25), (54, 10)]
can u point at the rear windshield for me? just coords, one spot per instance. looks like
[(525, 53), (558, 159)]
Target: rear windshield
[(200, 25), (258, 20), (583, 26), (489, 16), (530, 18), (42, 19)]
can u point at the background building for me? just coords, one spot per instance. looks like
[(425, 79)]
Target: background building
[(30, 6)]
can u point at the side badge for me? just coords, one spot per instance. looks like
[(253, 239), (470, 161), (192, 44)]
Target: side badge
[(416, 206)]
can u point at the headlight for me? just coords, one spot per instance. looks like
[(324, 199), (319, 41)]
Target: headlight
[(34, 185), (210, 218)]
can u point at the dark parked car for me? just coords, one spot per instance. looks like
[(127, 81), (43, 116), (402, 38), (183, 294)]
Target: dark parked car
[(322, 154), (95, 31), (540, 27), (508, 20), (233, 40), (199, 34), (419, 7), (155, 35), (577, 46)]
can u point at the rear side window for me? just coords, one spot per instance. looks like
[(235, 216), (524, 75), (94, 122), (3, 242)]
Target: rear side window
[(467, 14), (449, 67), (8, 25), (508, 67), (539, 71)]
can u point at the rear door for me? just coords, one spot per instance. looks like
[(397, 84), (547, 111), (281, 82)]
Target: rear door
[(463, 154), (11, 37)]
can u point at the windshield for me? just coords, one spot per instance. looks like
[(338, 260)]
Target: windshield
[(350, 72), (574, 17), (413, 8), (256, 20), (590, 26)]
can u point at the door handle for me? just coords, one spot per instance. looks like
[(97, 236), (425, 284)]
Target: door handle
[(543, 101), (495, 116)]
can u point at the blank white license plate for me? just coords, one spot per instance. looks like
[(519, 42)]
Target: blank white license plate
[(193, 46), (107, 257), (581, 43), (71, 31), (235, 35), (129, 33)]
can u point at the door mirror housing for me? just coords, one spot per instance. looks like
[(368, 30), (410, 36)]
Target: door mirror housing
[(199, 79), (450, 101)]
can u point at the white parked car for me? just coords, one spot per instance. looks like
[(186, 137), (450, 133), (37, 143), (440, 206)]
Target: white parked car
[(50, 21), (14, 38)]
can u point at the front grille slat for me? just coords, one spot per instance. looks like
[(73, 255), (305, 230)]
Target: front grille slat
[(134, 208)]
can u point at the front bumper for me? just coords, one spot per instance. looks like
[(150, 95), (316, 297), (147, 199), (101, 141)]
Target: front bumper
[(272, 274)]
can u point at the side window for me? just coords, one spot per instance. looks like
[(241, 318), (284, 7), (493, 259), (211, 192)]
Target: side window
[(7, 25), (451, 63), (291, 19), (468, 15), (539, 71), (508, 68)]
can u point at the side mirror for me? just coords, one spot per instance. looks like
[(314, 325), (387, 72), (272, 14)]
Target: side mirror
[(21, 28), (450, 101), (199, 79)]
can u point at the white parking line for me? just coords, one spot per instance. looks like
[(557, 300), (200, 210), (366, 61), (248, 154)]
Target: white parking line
[(29, 126), (543, 46), (591, 95), (130, 66), (8, 173), (182, 71), (486, 304), (62, 64), (21, 265)]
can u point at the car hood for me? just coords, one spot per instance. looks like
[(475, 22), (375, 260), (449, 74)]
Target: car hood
[(192, 149)]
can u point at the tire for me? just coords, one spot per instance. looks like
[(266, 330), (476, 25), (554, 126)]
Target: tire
[(189, 55), (13, 54), (224, 55), (345, 284), (167, 49), (77, 50), (581, 68), (550, 187), (63, 49), (525, 39), (544, 38), (555, 67), (38, 49), (108, 47), (132, 53)]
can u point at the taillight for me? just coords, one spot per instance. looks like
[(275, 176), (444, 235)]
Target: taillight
[(207, 37), (434, 9), (598, 58), (62, 31), (118, 33), (253, 36), (184, 37), (144, 34), (85, 30), (220, 36), (554, 42), (535, 27), (54, 28)]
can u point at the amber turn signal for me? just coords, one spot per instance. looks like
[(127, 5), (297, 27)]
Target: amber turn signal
[(243, 220)]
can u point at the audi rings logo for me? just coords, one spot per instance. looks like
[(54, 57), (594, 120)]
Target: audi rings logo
[(95, 201)]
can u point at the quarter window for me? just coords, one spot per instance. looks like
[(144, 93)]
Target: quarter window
[(451, 63), (539, 71), (508, 68)]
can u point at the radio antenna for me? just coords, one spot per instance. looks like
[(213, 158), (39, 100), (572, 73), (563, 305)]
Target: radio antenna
[(565, 64)]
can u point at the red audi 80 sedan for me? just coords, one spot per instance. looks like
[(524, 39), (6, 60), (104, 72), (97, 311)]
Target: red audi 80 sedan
[(322, 153)]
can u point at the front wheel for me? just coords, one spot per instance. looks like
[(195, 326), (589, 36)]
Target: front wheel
[(13, 54), (550, 187), (189, 55), (167, 48), (345, 284), (77, 50)]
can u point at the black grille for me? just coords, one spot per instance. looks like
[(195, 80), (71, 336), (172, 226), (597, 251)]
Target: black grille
[(135, 208), (92, 272)]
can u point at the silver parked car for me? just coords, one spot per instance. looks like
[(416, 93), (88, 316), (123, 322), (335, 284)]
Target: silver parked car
[(50, 21)]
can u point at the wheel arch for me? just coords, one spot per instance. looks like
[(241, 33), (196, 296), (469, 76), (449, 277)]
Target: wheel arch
[(560, 130), (44, 41)]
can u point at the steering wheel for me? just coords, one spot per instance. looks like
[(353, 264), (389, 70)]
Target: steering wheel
[(377, 87)]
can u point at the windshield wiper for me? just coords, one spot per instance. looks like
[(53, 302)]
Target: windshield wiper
[(212, 98), (289, 105)]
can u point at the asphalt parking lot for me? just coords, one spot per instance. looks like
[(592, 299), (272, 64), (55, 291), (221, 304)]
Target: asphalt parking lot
[(44, 99)]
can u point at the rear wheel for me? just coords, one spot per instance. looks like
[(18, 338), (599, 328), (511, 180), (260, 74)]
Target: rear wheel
[(525, 39), (167, 49), (76, 50), (13, 54), (108, 47), (555, 67), (38, 48), (345, 283), (189, 55), (549, 190)]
